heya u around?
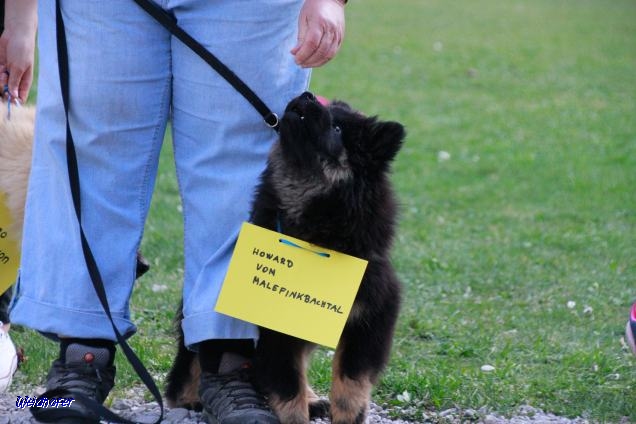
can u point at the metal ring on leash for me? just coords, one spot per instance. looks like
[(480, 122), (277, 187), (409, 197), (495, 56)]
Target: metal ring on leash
[(272, 120)]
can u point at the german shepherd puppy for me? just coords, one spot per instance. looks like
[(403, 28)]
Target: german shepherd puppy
[(326, 182)]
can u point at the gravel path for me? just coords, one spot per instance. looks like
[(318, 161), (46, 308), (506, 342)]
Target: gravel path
[(136, 409)]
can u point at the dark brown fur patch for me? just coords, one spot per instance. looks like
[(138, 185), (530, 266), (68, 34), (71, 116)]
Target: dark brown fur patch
[(189, 395)]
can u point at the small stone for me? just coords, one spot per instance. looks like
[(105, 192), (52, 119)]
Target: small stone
[(447, 412), (177, 415), (146, 417), (470, 414), (528, 410), (119, 404), (491, 419), (443, 156), (158, 288)]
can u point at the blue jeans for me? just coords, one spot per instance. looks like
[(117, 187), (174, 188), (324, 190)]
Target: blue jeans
[(128, 77)]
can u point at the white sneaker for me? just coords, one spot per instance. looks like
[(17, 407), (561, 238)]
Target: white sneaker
[(8, 359)]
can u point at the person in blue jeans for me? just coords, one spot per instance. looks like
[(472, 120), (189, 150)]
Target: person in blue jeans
[(128, 78)]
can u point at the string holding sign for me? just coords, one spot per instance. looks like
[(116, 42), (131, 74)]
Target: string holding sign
[(291, 243)]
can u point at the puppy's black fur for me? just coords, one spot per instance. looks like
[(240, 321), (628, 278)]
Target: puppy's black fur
[(327, 183)]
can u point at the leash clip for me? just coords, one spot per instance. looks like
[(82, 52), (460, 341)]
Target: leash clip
[(271, 120)]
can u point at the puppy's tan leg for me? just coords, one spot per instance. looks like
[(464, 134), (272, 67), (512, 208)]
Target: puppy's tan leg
[(349, 397), (316, 407), (189, 397), (296, 410)]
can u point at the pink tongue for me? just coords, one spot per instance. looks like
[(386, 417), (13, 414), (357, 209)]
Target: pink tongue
[(323, 101)]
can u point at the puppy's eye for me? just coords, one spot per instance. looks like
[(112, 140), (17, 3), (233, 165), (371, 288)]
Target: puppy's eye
[(337, 129)]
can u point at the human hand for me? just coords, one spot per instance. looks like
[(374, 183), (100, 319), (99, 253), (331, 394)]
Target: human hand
[(16, 62), (17, 49), (321, 26)]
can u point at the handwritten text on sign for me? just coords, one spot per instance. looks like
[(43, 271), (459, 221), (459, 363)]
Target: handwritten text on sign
[(290, 286), (9, 252)]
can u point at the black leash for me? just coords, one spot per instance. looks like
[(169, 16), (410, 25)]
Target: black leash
[(170, 23), (271, 120)]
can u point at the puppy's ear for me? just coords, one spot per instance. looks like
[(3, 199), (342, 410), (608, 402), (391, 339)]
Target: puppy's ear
[(386, 139)]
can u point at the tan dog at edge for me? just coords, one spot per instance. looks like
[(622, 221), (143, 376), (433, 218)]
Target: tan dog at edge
[(16, 150), (16, 142)]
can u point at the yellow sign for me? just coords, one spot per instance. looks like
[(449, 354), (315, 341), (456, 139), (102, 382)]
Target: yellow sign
[(9, 252), (290, 286)]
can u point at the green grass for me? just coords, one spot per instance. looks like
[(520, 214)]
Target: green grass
[(535, 101)]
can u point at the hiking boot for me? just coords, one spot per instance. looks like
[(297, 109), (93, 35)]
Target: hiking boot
[(83, 370), (630, 330), (232, 399)]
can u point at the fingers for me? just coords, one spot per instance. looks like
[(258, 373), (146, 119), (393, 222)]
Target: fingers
[(320, 32), (20, 83), (15, 84), (14, 81), (8, 85), (4, 83), (4, 72), (4, 78), (25, 85), (317, 47)]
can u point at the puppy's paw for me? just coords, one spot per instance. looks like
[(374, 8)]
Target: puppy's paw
[(350, 399), (345, 413), (319, 408), (294, 411)]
